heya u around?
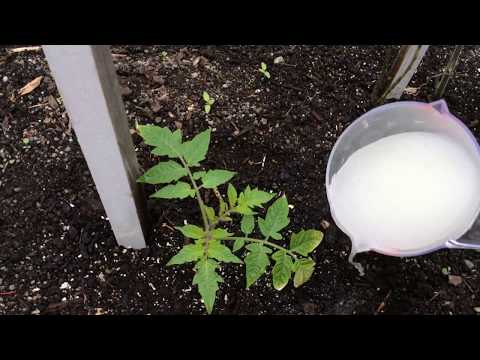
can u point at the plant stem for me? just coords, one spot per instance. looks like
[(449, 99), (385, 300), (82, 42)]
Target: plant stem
[(199, 197), (448, 72), (264, 242)]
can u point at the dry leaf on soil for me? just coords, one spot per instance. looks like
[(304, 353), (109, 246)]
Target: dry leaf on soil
[(32, 85)]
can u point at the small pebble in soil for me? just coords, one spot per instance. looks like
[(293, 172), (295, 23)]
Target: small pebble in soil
[(469, 264), (65, 286), (278, 60), (5, 79), (11, 287), (455, 280)]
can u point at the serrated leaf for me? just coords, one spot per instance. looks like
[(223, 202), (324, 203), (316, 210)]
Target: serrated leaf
[(196, 149), (276, 219), (220, 234), (210, 214), (232, 195), (305, 241), (188, 253), (282, 270), (256, 262), (191, 231), (205, 96), (247, 224), (222, 253), (198, 175), (214, 178), (207, 108), (166, 143), (253, 198), (207, 280), (180, 190), (163, 173), (303, 271), (238, 244), (244, 210)]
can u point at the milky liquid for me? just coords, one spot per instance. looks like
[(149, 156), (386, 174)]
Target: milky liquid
[(406, 192)]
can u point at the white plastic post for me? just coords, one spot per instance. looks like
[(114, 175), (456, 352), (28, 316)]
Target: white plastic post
[(408, 66), (88, 84)]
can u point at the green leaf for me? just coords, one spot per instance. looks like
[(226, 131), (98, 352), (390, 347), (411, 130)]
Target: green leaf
[(305, 241), (282, 270), (180, 190), (207, 108), (163, 172), (238, 244), (267, 74), (256, 262), (264, 66), (232, 195), (222, 253), (248, 224), (252, 198), (210, 214), (214, 178), (196, 149), (198, 175), (188, 253), (220, 234), (206, 97), (211, 101), (207, 280), (303, 271), (166, 143), (276, 219), (191, 231)]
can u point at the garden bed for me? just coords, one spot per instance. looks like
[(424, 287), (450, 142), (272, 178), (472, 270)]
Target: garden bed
[(58, 253)]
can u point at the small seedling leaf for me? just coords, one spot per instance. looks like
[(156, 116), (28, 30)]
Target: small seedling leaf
[(263, 66), (248, 224), (232, 195), (180, 190), (164, 172), (222, 253), (206, 97), (198, 175), (188, 253), (256, 262), (214, 178), (220, 234), (303, 271), (276, 219), (238, 244), (208, 107), (196, 149), (210, 214), (305, 241), (191, 231), (166, 143), (282, 270), (207, 279)]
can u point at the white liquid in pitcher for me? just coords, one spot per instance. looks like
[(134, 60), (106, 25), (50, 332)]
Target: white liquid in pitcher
[(406, 192)]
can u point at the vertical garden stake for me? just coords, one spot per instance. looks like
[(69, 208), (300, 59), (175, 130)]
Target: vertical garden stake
[(87, 82)]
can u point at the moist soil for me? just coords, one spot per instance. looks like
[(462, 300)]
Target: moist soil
[(57, 251)]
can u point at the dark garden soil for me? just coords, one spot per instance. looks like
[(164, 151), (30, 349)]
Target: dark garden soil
[(57, 251)]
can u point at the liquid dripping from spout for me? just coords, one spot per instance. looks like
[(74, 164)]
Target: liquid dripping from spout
[(357, 265)]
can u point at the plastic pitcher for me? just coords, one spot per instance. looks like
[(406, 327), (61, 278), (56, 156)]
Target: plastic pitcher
[(392, 119)]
